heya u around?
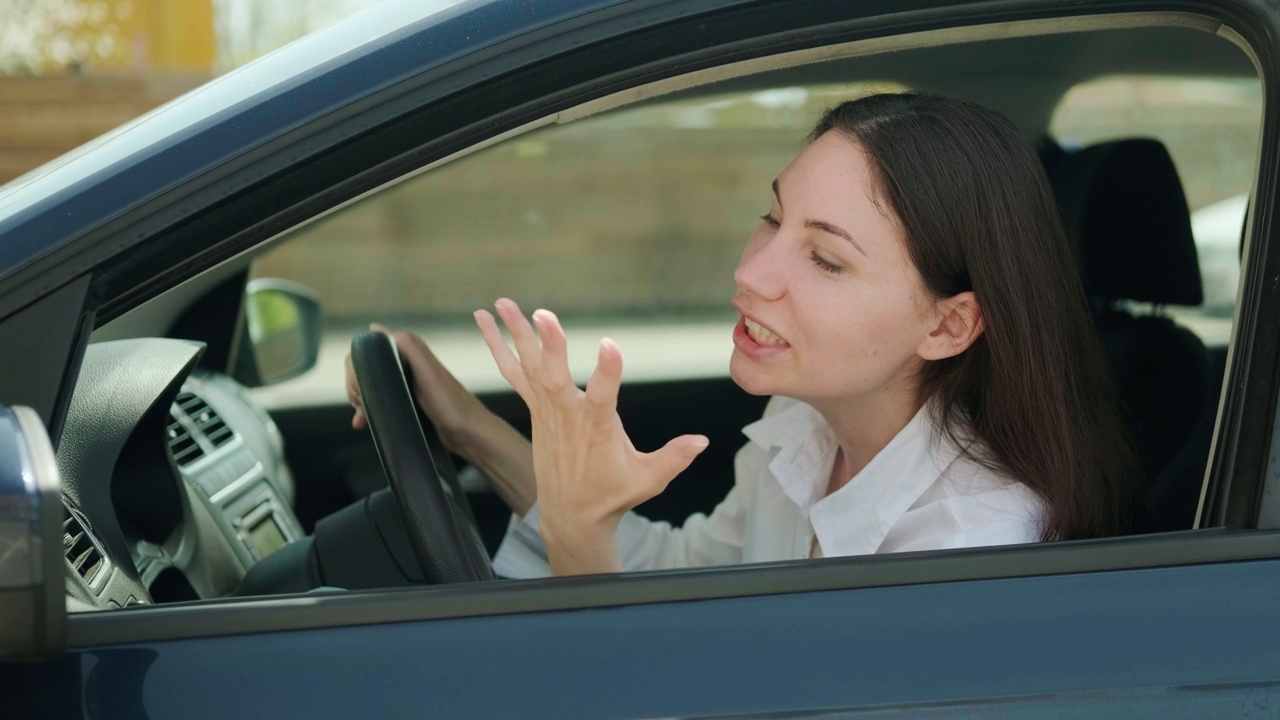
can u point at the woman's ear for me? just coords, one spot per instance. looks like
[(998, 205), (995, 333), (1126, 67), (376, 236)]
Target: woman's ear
[(959, 325)]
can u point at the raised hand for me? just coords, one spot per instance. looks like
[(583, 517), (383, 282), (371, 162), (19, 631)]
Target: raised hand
[(587, 471)]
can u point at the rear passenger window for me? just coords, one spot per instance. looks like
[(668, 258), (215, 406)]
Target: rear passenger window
[(1210, 127)]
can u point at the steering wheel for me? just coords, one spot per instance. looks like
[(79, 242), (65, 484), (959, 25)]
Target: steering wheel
[(441, 528)]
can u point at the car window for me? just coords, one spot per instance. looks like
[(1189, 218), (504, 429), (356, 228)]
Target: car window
[(628, 224), (1211, 128)]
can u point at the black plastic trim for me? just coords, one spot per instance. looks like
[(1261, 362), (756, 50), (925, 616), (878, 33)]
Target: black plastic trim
[(58, 417), (215, 319), (41, 345), (219, 618)]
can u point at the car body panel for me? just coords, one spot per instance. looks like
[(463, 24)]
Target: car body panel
[(1155, 642)]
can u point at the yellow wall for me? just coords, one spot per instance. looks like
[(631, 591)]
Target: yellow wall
[(182, 33), (146, 35)]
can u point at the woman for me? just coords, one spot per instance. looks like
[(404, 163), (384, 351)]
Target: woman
[(911, 303)]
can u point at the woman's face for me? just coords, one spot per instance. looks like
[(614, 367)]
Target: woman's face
[(830, 304)]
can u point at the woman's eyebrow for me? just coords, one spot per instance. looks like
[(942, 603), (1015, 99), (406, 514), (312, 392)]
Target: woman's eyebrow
[(829, 228), (821, 225)]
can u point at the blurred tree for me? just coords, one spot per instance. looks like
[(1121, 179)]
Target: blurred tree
[(57, 36), (38, 34)]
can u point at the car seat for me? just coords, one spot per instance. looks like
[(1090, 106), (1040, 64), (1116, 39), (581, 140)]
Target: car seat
[(1129, 225)]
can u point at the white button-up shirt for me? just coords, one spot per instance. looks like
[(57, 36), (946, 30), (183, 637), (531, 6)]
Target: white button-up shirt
[(918, 493)]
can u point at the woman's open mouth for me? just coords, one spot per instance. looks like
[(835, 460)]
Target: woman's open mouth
[(755, 340), (761, 334)]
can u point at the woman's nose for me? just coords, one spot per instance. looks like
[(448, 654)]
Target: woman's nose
[(761, 271)]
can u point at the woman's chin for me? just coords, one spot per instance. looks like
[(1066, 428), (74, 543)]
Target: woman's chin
[(750, 376)]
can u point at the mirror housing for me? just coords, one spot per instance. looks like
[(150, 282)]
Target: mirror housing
[(283, 325), (33, 612)]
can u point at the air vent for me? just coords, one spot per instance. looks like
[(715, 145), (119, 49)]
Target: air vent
[(185, 449), (205, 419), (85, 557)]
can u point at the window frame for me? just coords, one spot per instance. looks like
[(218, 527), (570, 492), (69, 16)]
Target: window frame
[(1246, 413)]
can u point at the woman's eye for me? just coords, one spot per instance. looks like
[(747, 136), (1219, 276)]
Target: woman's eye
[(823, 264), (770, 220)]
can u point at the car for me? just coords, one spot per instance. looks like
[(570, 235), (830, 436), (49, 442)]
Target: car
[(230, 547)]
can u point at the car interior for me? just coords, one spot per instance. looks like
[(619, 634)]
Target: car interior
[(186, 480)]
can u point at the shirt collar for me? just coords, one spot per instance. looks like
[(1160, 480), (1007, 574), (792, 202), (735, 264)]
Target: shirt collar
[(855, 519)]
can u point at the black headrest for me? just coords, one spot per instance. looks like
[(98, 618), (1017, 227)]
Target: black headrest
[(1128, 221)]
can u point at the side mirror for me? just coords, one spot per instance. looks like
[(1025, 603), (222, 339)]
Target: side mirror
[(33, 611), (283, 326)]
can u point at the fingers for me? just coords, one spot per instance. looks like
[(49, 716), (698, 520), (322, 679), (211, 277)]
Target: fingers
[(543, 353), (413, 351), (554, 366), (358, 420), (507, 363), (522, 335), (602, 387), (675, 457), (410, 345)]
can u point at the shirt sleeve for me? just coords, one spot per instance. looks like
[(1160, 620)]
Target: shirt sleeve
[(703, 540)]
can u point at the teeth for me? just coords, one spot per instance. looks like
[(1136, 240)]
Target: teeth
[(758, 333)]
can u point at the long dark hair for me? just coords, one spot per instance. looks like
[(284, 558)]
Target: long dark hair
[(978, 214)]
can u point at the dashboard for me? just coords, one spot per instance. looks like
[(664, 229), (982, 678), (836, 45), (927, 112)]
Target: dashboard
[(174, 479)]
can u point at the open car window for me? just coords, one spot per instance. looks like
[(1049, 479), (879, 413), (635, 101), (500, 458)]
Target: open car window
[(629, 223)]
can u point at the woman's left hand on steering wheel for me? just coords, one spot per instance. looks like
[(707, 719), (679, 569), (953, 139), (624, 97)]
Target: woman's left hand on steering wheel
[(587, 471)]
